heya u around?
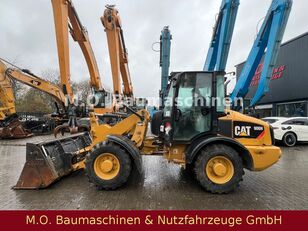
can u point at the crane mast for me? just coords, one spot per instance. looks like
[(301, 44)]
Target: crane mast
[(269, 40), (164, 62), (218, 52)]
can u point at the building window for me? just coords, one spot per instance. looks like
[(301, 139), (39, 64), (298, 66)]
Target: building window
[(292, 109)]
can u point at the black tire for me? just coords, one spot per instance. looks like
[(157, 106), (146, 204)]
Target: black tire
[(156, 121), (206, 155), (125, 166), (190, 169), (289, 139)]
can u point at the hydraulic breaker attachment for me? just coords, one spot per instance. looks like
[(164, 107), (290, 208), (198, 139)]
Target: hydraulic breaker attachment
[(13, 128), (47, 162)]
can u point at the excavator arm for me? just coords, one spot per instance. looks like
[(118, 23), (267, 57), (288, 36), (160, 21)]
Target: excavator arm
[(218, 52), (269, 40), (60, 10), (67, 20), (117, 52), (80, 35), (31, 80), (7, 100), (26, 77)]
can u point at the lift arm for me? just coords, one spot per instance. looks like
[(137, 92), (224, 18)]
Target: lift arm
[(222, 35), (117, 51), (269, 40), (164, 62)]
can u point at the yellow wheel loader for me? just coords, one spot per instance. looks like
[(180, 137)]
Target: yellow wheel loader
[(194, 131)]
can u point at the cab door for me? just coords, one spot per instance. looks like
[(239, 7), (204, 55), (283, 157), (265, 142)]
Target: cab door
[(192, 109)]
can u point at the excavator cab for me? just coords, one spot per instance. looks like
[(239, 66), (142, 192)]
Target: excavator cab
[(102, 99)]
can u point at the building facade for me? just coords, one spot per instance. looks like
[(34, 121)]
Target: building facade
[(288, 89)]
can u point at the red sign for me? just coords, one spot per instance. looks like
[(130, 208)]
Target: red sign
[(277, 74), (153, 220)]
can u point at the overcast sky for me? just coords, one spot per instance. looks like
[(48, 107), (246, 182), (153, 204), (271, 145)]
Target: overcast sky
[(28, 36)]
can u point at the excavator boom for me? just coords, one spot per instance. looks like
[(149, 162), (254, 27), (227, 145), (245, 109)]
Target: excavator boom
[(39, 84), (80, 35), (60, 9), (67, 20), (117, 52)]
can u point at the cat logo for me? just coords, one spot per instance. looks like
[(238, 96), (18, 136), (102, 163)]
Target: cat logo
[(242, 130), (35, 83)]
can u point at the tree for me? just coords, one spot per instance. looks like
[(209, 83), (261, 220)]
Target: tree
[(33, 102), (83, 91)]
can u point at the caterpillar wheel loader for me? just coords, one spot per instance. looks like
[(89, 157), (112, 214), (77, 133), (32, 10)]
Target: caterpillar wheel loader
[(195, 131)]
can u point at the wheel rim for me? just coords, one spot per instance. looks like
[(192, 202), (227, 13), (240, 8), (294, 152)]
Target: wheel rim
[(219, 170), (107, 166), (290, 139)]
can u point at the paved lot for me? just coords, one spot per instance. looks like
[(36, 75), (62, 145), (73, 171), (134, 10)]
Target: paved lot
[(163, 186)]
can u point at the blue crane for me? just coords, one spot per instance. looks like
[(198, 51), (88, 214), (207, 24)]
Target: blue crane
[(164, 62), (219, 47), (222, 35), (269, 40)]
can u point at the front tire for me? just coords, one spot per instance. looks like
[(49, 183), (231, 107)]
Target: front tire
[(289, 139), (219, 168), (108, 166)]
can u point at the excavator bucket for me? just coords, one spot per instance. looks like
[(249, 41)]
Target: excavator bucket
[(47, 162), (12, 128)]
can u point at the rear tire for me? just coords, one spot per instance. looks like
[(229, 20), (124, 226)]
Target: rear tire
[(289, 139), (219, 168), (108, 166)]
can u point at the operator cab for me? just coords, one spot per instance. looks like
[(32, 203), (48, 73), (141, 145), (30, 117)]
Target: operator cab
[(102, 99), (194, 103)]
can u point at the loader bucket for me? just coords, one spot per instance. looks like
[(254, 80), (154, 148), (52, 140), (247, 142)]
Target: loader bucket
[(47, 162), (12, 128)]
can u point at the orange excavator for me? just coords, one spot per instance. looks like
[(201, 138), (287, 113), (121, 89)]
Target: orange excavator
[(106, 105), (67, 21), (117, 53), (11, 127), (119, 58)]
